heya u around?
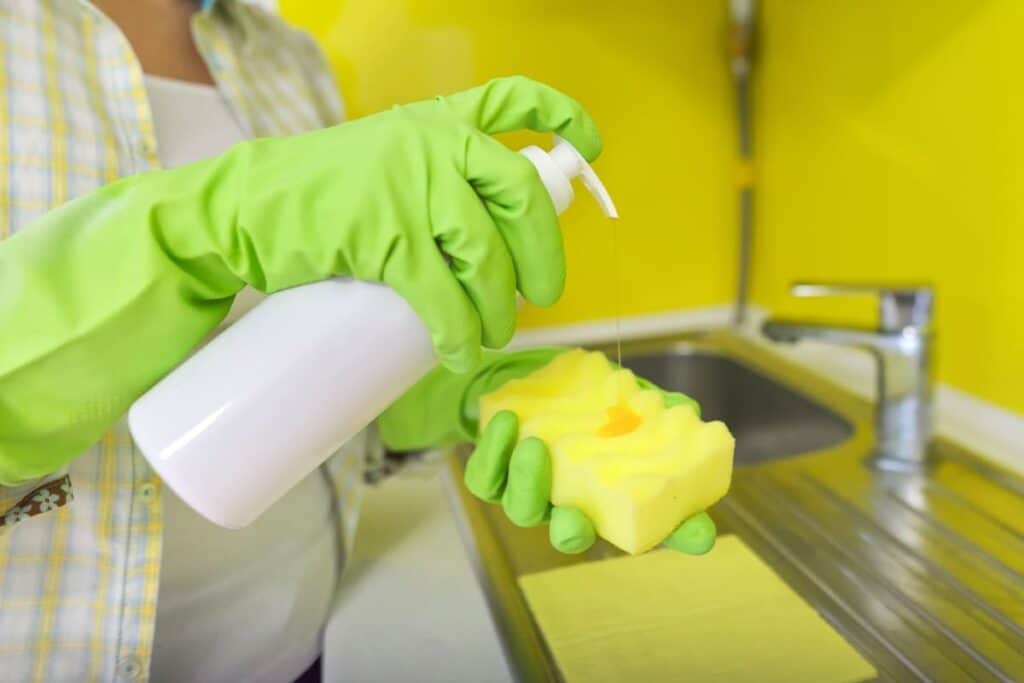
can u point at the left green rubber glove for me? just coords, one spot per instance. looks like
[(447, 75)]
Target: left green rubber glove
[(442, 408)]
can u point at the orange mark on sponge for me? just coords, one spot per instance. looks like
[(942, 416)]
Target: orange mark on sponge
[(621, 420)]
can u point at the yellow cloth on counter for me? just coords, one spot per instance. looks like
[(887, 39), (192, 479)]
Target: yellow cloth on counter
[(666, 616)]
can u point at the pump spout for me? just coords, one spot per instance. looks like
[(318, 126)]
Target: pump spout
[(564, 150), (559, 167)]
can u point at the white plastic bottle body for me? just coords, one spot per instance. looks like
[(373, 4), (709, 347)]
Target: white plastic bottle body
[(252, 413)]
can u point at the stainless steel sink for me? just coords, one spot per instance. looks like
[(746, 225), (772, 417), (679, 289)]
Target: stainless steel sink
[(922, 572), (768, 419)]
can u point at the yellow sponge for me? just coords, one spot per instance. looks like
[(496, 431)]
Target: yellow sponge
[(636, 468)]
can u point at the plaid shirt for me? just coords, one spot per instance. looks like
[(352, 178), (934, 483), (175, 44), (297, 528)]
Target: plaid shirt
[(78, 579)]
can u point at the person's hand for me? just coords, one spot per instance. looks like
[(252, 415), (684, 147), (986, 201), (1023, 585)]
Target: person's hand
[(421, 198), (443, 408), (517, 474)]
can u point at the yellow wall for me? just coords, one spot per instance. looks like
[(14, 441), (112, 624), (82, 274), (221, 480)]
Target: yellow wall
[(890, 144), (653, 75), (888, 137)]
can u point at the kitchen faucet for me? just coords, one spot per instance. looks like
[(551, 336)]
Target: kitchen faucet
[(902, 347)]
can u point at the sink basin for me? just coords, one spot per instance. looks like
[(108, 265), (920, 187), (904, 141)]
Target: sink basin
[(768, 419)]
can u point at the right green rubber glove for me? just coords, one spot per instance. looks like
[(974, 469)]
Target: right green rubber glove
[(443, 408), (103, 296), (518, 475)]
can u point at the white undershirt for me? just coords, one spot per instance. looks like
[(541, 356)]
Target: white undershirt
[(245, 605)]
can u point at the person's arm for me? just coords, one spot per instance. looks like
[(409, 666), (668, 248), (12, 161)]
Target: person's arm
[(106, 294), (100, 298)]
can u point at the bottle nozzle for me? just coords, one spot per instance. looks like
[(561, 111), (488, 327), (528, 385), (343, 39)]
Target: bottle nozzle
[(558, 167)]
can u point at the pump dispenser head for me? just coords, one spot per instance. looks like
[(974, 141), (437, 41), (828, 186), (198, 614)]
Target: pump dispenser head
[(557, 169)]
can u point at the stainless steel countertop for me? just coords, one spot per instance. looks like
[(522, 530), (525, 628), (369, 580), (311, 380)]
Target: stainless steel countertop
[(922, 573)]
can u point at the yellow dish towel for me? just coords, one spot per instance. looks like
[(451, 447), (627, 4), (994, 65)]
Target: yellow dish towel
[(665, 616)]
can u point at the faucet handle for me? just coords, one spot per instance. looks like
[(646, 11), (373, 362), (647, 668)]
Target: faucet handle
[(899, 306)]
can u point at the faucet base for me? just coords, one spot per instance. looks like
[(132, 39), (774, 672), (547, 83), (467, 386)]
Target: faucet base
[(889, 463)]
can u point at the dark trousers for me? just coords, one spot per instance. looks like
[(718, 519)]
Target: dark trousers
[(310, 675)]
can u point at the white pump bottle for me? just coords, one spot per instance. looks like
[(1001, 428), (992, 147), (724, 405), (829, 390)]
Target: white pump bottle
[(238, 424)]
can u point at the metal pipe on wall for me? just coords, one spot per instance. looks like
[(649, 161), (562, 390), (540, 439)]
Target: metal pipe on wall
[(741, 44)]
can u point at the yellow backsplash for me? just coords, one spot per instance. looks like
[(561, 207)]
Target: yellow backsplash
[(653, 74), (890, 145)]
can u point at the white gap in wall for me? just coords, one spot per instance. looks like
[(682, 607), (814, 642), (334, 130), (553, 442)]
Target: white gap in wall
[(632, 327)]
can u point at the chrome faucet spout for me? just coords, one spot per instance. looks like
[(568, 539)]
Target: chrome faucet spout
[(792, 331), (902, 347)]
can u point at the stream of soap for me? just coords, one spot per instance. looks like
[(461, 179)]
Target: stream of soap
[(617, 284)]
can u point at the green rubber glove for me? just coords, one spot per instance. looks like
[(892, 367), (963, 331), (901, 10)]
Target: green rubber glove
[(103, 296), (443, 408), (518, 475)]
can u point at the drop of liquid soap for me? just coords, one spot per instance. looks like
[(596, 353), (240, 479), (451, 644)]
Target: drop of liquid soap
[(621, 420)]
